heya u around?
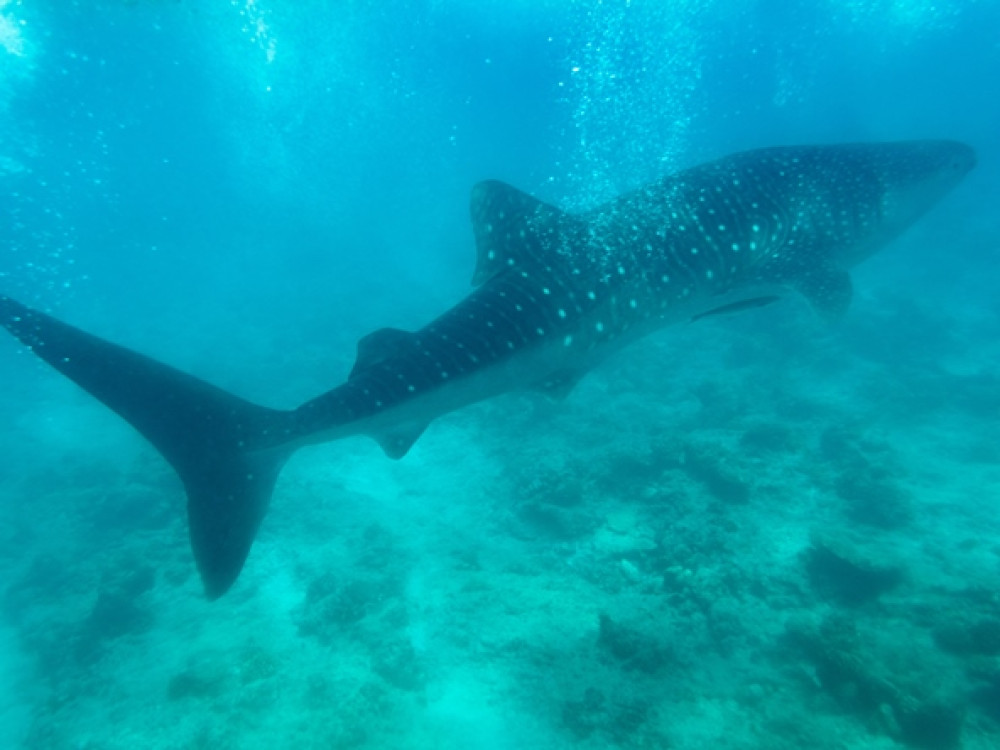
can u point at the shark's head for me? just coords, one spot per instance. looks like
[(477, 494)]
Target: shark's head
[(916, 175), (903, 181)]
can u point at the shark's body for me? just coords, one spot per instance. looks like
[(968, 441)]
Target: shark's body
[(556, 293)]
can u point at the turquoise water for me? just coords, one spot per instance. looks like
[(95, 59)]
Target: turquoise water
[(751, 532)]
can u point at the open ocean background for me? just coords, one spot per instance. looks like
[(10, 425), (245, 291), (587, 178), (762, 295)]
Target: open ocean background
[(752, 532)]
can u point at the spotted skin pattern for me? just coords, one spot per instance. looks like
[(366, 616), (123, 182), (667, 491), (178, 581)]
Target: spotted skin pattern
[(560, 292), (555, 293)]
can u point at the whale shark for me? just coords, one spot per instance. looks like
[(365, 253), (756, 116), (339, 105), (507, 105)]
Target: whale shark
[(554, 294)]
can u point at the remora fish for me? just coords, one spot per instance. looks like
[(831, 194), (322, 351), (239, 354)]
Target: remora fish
[(555, 293)]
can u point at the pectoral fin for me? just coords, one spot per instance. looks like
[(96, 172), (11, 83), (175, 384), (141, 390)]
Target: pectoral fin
[(828, 290)]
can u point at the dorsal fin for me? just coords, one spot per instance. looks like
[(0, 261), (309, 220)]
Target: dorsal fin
[(510, 226), (378, 346)]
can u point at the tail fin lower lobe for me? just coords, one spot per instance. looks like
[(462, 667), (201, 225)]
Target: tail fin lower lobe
[(227, 451)]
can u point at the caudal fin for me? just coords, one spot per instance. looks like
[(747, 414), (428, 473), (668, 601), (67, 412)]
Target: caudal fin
[(227, 451)]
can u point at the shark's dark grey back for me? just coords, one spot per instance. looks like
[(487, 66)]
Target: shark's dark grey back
[(795, 217), (555, 293)]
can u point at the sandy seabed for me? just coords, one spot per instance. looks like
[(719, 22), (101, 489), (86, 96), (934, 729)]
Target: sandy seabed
[(748, 533)]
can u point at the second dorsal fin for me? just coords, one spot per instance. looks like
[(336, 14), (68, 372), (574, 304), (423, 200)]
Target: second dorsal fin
[(378, 346)]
